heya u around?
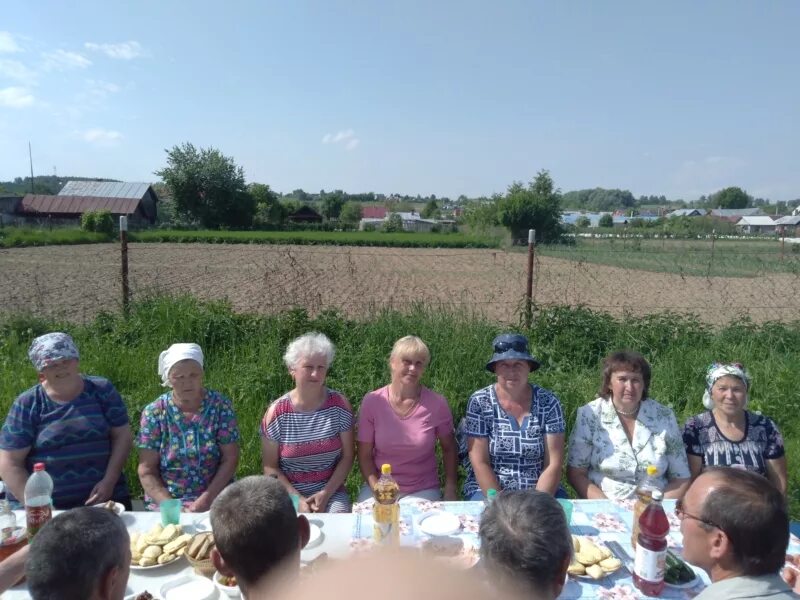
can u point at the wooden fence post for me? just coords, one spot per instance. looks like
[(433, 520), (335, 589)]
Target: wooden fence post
[(123, 240), (529, 289)]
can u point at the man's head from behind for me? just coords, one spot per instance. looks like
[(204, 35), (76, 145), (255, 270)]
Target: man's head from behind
[(83, 553), (525, 542), (734, 520), (256, 530)]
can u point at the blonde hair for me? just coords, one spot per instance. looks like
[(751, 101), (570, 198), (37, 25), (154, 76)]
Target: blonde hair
[(410, 345)]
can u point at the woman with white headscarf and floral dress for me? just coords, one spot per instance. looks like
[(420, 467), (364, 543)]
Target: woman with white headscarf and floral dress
[(729, 435), (189, 439)]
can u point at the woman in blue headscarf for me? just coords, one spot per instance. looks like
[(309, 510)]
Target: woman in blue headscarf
[(729, 435)]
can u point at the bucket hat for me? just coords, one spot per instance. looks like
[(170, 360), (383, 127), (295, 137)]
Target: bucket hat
[(511, 346)]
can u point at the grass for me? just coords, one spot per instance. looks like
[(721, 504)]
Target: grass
[(244, 359), (18, 237), (725, 258)]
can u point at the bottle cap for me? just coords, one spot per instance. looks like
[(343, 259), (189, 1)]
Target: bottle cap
[(491, 493), (38, 467), (658, 495), (386, 469), (652, 470)]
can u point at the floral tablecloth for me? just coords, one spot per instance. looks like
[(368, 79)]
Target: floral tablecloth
[(603, 520)]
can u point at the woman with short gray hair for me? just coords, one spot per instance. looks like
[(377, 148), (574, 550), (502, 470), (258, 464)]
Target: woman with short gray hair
[(307, 434)]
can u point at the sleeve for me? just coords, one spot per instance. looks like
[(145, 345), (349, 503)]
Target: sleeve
[(227, 427), (554, 415), (21, 424), (581, 440), (444, 418), (111, 403), (476, 423), (691, 437), (774, 448), (677, 463), (150, 426), (346, 419), (366, 421)]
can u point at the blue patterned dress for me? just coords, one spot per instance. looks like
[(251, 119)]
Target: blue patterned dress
[(516, 451)]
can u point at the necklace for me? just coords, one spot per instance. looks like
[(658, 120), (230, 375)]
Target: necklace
[(625, 413), (395, 403)]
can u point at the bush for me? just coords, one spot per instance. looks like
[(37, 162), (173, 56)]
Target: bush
[(98, 221)]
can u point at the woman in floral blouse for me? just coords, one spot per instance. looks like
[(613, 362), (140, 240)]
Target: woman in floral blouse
[(188, 441), (620, 433)]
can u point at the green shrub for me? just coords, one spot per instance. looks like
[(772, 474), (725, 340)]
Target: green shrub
[(98, 221)]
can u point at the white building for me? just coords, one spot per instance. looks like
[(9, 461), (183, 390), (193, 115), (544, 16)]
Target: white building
[(757, 224)]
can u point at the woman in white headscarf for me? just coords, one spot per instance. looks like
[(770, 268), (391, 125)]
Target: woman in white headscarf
[(189, 439), (728, 435)]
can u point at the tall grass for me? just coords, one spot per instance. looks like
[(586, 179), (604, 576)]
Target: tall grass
[(18, 237), (244, 358)]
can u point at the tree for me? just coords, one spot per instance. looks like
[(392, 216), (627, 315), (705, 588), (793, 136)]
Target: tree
[(351, 212), (482, 214), (730, 197), (583, 222), (606, 221), (393, 224), (332, 204), (269, 210), (536, 207), (207, 186), (431, 210)]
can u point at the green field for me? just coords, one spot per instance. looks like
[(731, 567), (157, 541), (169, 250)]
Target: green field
[(20, 237), (244, 359), (727, 258)]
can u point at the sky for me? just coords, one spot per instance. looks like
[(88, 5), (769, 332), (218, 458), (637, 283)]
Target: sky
[(679, 98)]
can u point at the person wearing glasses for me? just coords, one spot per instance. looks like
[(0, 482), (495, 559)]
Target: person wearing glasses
[(188, 439), (513, 432), (729, 435), (620, 433), (735, 526)]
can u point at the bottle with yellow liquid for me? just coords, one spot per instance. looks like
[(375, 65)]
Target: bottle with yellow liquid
[(644, 494), (386, 512)]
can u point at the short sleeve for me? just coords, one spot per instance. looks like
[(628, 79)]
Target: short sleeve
[(227, 427), (774, 448), (111, 403), (553, 413), (346, 419), (691, 437), (444, 418), (22, 421), (366, 421), (477, 423), (580, 442), (678, 465), (150, 426)]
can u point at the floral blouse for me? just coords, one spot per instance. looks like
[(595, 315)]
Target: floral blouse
[(598, 443), (188, 445)]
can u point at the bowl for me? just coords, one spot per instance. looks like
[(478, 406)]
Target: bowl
[(229, 590), (188, 587), (205, 566)]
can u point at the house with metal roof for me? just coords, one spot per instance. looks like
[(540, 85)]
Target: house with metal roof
[(788, 226), (756, 224), (686, 212)]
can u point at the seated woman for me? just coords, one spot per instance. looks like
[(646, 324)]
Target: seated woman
[(188, 440), (513, 431), (620, 433), (728, 435), (400, 423), (76, 424), (307, 434)]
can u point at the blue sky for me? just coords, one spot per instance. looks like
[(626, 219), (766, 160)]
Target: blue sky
[(679, 98)]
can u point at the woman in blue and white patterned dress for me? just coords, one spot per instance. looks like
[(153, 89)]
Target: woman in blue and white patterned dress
[(513, 430)]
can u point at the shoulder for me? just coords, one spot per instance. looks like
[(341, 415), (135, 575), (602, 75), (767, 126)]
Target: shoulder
[(591, 409), (98, 385), (158, 407), (545, 396), (338, 400), (757, 419), (483, 394), (658, 411), (29, 397), (701, 421), (375, 397), (428, 395), (278, 407)]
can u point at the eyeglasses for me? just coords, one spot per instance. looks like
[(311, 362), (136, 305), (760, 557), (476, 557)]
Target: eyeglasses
[(682, 514), (516, 345)]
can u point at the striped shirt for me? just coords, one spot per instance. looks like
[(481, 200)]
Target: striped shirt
[(73, 439), (309, 443)]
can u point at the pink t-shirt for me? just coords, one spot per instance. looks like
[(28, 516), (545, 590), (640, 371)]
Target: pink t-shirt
[(408, 444)]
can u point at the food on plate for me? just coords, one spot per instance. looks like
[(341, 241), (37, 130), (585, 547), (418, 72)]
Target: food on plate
[(110, 506), (592, 560), (200, 546), (159, 546), (144, 596), (178, 545), (227, 581), (677, 572)]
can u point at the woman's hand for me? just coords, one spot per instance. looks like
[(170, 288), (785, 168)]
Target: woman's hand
[(101, 492), (303, 506), (202, 504), (450, 492), (791, 572), (318, 502)]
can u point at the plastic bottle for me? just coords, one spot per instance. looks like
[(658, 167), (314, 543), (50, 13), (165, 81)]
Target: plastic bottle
[(386, 511), (644, 490), (8, 521), (651, 548), (38, 499)]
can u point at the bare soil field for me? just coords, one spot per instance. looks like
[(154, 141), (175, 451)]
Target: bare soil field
[(75, 282)]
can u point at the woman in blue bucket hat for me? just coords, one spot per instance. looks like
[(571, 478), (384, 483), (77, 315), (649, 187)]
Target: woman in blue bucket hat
[(514, 430)]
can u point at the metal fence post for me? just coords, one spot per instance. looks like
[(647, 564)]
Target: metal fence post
[(123, 240), (529, 289)]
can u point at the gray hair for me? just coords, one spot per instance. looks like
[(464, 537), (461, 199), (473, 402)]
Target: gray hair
[(255, 527), (309, 344), (525, 540), (74, 551)]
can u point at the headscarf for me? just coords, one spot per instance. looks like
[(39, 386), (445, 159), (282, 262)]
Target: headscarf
[(176, 353), (719, 370), (50, 348)]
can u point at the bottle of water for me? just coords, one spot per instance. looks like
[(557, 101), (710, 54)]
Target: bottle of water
[(386, 510), (38, 499)]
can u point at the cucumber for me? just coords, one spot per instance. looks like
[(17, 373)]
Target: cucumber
[(677, 571)]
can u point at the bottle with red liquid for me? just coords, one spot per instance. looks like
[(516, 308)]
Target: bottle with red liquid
[(651, 548), (38, 499)]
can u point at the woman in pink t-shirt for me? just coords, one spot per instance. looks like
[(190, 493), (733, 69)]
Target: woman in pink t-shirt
[(400, 423)]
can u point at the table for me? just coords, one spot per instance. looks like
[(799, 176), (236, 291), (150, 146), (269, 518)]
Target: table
[(345, 534)]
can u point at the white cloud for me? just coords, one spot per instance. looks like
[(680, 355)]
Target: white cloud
[(102, 88), (13, 69), (344, 136), (122, 51), (62, 59), (16, 97), (101, 137), (7, 43)]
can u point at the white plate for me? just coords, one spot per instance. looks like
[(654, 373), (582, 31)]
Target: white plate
[(172, 562), (133, 596), (202, 525), (119, 508), (315, 536), (196, 588), (437, 524)]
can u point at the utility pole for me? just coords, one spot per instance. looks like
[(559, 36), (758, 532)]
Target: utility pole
[(30, 157)]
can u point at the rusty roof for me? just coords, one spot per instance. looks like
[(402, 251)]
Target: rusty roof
[(44, 204), (105, 189)]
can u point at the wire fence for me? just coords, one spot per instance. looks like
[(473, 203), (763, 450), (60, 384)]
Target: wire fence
[(719, 284)]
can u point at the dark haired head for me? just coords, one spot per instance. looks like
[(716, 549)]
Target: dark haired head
[(620, 361)]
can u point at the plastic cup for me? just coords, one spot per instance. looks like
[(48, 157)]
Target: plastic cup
[(296, 501), (170, 511), (567, 506)]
